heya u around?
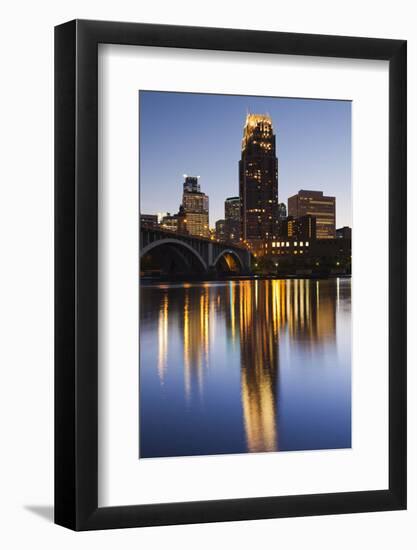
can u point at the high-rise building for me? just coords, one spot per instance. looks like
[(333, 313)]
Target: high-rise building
[(258, 181), (221, 230), (232, 218), (191, 184), (282, 211), (314, 203), (194, 211)]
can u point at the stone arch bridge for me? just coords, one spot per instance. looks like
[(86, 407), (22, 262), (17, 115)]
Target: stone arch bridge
[(178, 253)]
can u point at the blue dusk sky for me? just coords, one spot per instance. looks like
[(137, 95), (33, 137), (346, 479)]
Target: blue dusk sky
[(200, 135)]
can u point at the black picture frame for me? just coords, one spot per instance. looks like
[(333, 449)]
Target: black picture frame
[(76, 271)]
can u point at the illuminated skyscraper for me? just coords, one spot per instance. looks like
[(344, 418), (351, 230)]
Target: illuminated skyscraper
[(314, 203), (194, 211), (258, 181)]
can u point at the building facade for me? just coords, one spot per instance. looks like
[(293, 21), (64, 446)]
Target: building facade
[(306, 228), (282, 210), (323, 256), (193, 217), (232, 219), (303, 228), (314, 203), (169, 222), (344, 232), (258, 182), (191, 184), (149, 219), (220, 232)]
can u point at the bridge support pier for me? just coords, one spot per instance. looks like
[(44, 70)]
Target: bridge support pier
[(210, 255)]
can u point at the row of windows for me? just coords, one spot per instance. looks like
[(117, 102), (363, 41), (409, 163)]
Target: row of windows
[(286, 244), (319, 215), (314, 201), (287, 252)]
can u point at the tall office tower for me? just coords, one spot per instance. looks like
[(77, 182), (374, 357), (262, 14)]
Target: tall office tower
[(194, 210), (258, 181), (314, 203), (191, 184), (232, 218), (282, 211)]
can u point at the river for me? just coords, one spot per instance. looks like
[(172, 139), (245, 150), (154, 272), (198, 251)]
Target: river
[(244, 366)]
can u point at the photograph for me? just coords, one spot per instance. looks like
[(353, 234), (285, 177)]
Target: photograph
[(209, 335), (245, 274)]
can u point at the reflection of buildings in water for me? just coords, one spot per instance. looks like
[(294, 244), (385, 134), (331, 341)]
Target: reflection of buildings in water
[(257, 312), (306, 308), (252, 309), (311, 311), (163, 337), (327, 300), (190, 311), (196, 331), (231, 313)]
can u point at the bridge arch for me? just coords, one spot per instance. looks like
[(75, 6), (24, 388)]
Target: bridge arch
[(180, 249), (234, 255)]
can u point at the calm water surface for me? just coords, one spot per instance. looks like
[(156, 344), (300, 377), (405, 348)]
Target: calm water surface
[(245, 366)]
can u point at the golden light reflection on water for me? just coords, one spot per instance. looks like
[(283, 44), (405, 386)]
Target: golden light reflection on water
[(255, 315), (163, 338)]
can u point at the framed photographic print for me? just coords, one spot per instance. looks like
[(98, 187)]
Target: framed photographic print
[(230, 275)]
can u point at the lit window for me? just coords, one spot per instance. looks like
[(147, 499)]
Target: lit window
[(295, 244), (307, 243), (301, 243), (287, 244)]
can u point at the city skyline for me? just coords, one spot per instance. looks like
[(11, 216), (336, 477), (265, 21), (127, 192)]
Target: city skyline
[(245, 289), (202, 134)]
